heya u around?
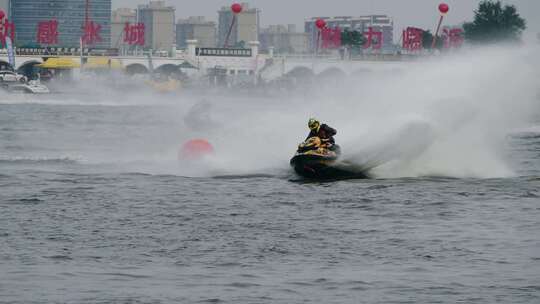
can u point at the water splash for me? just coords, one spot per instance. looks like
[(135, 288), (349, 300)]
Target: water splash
[(446, 116)]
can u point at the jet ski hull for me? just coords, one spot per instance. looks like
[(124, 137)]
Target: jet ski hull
[(324, 167)]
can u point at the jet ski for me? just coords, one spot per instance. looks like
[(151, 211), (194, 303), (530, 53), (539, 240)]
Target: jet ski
[(316, 160)]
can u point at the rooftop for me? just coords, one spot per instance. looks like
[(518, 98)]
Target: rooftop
[(156, 5), (199, 20), (245, 8)]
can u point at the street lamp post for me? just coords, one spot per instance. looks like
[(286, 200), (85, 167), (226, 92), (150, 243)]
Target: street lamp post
[(443, 9), (236, 9), (320, 24)]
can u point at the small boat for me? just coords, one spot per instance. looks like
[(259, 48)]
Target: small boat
[(32, 87), (13, 82), (7, 77), (315, 160)]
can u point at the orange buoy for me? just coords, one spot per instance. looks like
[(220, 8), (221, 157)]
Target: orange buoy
[(195, 149)]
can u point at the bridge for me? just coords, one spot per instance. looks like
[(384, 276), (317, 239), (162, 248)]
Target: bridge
[(131, 63), (302, 66), (247, 62)]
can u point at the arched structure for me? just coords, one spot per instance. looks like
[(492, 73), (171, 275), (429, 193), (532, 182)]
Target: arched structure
[(332, 73), (27, 68), (286, 66), (4, 65), (136, 68), (168, 69), (301, 72)]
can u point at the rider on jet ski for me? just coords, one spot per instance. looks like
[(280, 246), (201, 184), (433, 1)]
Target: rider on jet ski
[(324, 132), (320, 158)]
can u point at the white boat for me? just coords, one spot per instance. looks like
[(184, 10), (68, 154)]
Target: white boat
[(32, 87), (13, 82), (7, 76)]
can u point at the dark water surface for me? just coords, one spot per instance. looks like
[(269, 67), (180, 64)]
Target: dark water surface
[(79, 226)]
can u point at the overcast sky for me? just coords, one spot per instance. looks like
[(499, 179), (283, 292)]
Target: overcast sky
[(420, 13)]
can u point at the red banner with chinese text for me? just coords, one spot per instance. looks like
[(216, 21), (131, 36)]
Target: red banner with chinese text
[(331, 38), (374, 40), (47, 32), (134, 34), (412, 39), (7, 29)]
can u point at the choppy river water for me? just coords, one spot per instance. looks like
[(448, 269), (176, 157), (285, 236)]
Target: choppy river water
[(95, 206), (79, 224)]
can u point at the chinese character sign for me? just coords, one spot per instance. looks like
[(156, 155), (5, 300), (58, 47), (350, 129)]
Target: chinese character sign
[(331, 38), (452, 38), (91, 33), (47, 32), (7, 29), (374, 39), (412, 39), (134, 34)]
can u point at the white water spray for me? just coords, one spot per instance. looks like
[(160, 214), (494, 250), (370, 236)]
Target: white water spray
[(447, 116), (444, 117)]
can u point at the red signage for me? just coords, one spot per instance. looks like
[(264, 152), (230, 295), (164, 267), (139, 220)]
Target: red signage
[(134, 34), (374, 39), (7, 29), (331, 38), (47, 32), (91, 33), (412, 39), (453, 38)]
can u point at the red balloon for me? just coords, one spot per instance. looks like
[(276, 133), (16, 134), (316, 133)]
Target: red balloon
[(195, 149), (2, 14), (236, 8), (320, 23), (443, 8)]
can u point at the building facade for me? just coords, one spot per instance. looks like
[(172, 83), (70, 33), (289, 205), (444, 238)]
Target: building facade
[(159, 25), (379, 23), (119, 18), (284, 39), (195, 28), (245, 29), (71, 16)]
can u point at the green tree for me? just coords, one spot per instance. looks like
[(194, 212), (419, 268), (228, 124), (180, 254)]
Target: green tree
[(427, 40), (352, 40), (494, 23)]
